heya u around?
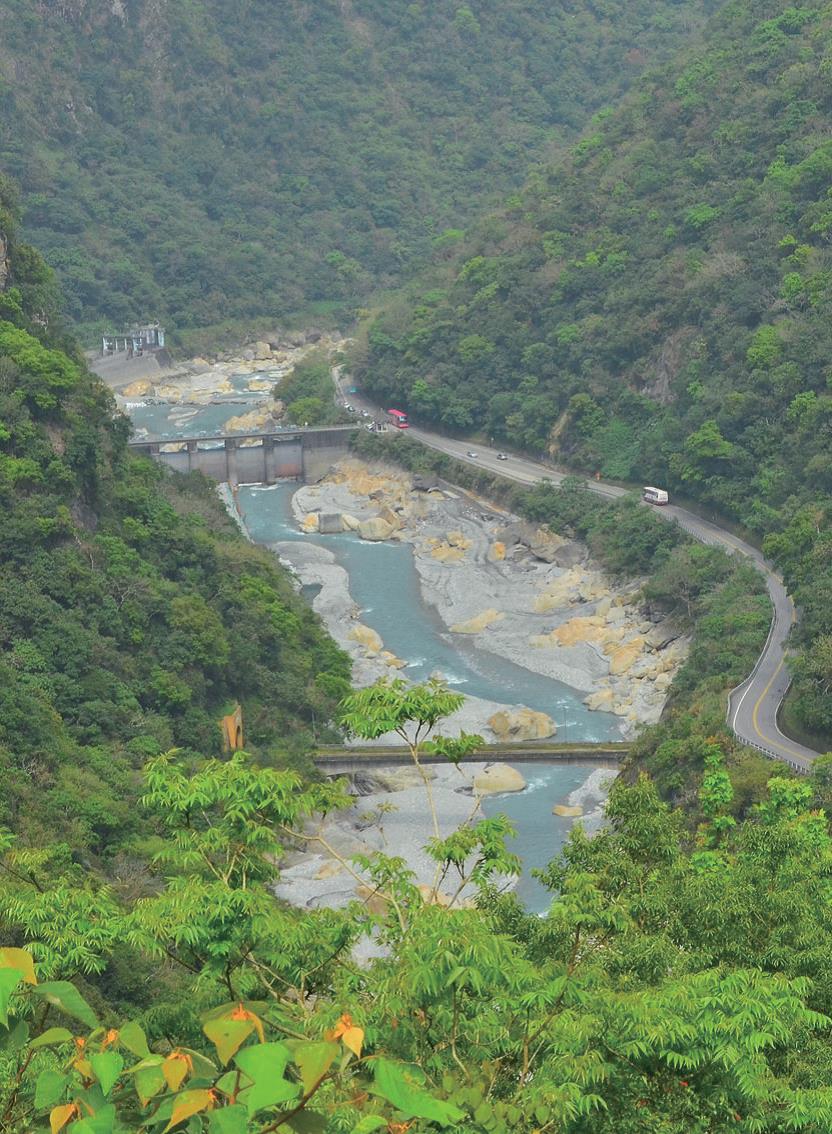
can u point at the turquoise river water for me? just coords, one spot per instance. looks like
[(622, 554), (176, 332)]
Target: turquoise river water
[(385, 584)]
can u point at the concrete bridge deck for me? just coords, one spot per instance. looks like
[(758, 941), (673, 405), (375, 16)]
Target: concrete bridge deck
[(335, 761)]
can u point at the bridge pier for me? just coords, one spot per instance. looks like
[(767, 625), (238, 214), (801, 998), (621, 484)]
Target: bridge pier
[(231, 461)]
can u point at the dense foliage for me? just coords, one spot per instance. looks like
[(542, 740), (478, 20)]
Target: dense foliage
[(670, 988), (655, 305), (203, 162), (132, 613)]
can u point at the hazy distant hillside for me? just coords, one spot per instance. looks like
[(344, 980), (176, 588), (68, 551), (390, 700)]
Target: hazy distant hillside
[(205, 161), (657, 305)]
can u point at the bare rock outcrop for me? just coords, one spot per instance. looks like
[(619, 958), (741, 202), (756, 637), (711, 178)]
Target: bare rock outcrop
[(5, 263)]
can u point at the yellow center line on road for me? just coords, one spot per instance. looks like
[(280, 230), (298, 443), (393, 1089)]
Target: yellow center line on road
[(755, 722)]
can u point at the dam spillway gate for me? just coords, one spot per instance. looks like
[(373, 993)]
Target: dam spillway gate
[(253, 458)]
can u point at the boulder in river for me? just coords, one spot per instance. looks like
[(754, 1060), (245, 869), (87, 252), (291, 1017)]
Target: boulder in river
[(496, 779), (567, 810), (375, 529), (366, 637), (521, 724), (138, 389)]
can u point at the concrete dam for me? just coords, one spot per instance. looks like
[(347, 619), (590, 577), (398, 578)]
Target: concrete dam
[(254, 458)]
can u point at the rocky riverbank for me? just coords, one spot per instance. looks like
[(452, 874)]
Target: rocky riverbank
[(524, 593), (245, 378), (391, 816)]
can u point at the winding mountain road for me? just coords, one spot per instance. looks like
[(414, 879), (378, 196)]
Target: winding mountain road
[(753, 706)]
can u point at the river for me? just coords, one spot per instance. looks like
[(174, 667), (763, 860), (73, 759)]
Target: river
[(385, 584)]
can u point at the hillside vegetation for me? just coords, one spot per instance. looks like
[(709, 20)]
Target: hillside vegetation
[(655, 306), (132, 612), (203, 162)]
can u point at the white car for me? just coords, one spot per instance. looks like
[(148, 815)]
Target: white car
[(471, 453), (502, 456)]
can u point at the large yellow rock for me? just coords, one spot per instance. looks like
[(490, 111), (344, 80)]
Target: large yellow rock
[(622, 658), (251, 421), (138, 389), (578, 630), (559, 592), (521, 724), (457, 539), (169, 393), (262, 351), (447, 554), (366, 637), (496, 553), (497, 778), (375, 529), (311, 522), (567, 810), (479, 622), (600, 699)]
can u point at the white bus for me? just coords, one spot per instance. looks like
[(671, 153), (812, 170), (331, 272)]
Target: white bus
[(651, 495)]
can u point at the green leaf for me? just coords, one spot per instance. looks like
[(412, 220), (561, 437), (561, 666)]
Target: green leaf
[(133, 1038), (369, 1123), (50, 1087), (50, 1037), (9, 980), (228, 1120), (149, 1081), (13, 1039), (307, 1122), (99, 1123), (227, 1035), (313, 1061), (264, 1065), (65, 996), (399, 1086), (107, 1066)]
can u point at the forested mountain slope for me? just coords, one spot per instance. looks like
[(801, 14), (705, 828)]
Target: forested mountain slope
[(656, 306), (206, 161), (132, 613)]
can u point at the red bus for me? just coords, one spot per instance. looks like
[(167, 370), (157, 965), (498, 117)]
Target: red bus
[(398, 418)]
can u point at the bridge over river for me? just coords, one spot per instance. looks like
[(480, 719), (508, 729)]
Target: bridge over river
[(350, 761), (254, 458)]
